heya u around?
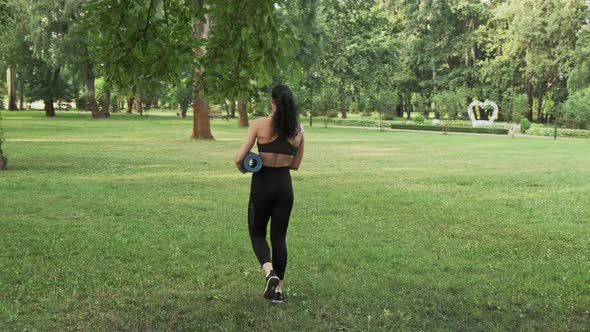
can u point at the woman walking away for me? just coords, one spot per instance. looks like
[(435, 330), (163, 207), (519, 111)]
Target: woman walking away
[(280, 144)]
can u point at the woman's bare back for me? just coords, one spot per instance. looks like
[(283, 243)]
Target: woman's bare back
[(264, 135)]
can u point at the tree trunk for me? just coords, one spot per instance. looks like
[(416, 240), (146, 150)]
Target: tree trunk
[(183, 109), (2, 160), (138, 105), (482, 113), (130, 101), (398, 110), (201, 123), (232, 108), (11, 93), (21, 97), (49, 109), (409, 106), (540, 117), (115, 105), (103, 113), (342, 95), (242, 113), (529, 94), (91, 104)]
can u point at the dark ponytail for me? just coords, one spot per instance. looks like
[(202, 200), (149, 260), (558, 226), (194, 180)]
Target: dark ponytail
[(285, 120)]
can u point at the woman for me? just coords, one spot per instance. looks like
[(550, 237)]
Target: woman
[(280, 146)]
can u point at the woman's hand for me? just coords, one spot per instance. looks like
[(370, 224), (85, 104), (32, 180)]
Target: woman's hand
[(246, 146), (240, 166)]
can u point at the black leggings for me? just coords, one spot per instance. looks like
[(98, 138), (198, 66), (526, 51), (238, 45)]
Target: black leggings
[(271, 196)]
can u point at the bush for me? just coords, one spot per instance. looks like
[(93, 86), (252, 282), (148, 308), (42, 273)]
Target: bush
[(259, 112), (332, 114), (561, 132), (366, 113), (325, 102), (576, 110), (81, 102), (474, 130), (419, 119), (388, 116), (518, 104), (355, 123), (449, 104), (525, 125)]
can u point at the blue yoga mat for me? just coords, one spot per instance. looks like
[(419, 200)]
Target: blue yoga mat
[(252, 162)]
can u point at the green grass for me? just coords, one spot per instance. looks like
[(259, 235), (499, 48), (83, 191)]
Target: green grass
[(127, 224)]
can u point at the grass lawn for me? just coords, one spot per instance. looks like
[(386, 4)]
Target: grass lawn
[(127, 224)]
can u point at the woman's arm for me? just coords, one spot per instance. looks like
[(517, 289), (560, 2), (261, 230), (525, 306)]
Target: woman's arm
[(246, 147), (296, 162)]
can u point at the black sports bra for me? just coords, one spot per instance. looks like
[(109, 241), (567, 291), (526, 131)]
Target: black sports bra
[(280, 145)]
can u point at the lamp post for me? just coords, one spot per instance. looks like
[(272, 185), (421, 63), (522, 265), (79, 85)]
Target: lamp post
[(314, 76), (556, 120)]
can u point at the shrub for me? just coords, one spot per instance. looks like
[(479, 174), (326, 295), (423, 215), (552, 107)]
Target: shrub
[(561, 132), (81, 102), (518, 105), (475, 130), (419, 119), (449, 104), (576, 110), (325, 102), (525, 125), (331, 114), (388, 116), (355, 123), (367, 113)]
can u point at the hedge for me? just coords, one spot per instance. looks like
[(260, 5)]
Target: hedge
[(354, 122), (474, 130), (561, 132)]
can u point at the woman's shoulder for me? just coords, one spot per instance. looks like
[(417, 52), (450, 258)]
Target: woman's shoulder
[(261, 122)]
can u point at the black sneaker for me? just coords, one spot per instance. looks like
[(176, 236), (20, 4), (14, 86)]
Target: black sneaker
[(278, 298), (271, 283)]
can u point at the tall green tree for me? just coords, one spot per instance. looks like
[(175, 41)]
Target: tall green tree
[(359, 46), (231, 52), (537, 41)]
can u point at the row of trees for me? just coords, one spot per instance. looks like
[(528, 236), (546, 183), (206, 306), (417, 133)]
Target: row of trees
[(175, 51), (394, 57), (437, 56)]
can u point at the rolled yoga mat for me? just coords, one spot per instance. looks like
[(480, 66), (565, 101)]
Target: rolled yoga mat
[(252, 162)]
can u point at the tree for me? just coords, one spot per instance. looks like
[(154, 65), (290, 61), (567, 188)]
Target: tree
[(49, 28), (538, 37), (579, 77), (155, 39), (2, 157), (201, 126), (360, 49), (244, 53), (576, 111)]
